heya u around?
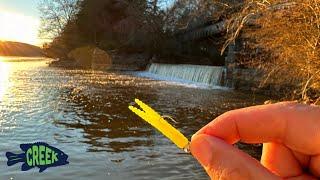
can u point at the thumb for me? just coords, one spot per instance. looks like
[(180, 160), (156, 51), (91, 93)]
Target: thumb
[(223, 161)]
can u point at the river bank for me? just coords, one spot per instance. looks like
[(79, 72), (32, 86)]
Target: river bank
[(228, 75), (246, 80), (122, 62)]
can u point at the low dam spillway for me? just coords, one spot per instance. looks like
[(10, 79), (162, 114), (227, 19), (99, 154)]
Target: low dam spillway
[(206, 75)]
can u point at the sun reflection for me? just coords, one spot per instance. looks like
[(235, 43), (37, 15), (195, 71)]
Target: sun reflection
[(4, 78), (4, 59)]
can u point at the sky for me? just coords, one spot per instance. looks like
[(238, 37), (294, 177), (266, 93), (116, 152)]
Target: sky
[(19, 21)]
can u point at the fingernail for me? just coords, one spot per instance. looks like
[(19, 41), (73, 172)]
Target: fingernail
[(201, 149), (193, 136)]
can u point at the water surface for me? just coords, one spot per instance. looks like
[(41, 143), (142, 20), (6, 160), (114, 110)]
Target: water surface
[(85, 114)]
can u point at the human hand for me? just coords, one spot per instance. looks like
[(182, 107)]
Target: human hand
[(290, 133)]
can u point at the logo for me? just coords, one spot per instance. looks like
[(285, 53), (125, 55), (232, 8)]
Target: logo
[(40, 155)]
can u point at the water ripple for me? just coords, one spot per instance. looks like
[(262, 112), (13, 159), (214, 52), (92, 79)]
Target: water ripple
[(85, 113)]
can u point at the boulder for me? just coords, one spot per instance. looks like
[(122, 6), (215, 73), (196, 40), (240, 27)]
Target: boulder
[(91, 57)]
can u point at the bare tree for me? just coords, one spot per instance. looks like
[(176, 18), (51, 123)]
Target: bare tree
[(55, 14), (287, 34)]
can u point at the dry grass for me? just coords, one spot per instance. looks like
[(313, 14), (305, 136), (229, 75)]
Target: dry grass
[(285, 40)]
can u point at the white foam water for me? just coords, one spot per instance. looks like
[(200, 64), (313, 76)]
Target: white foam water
[(197, 76)]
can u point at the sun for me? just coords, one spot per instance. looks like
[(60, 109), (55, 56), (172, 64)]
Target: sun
[(18, 27)]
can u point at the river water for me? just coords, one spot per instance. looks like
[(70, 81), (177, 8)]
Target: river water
[(84, 113)]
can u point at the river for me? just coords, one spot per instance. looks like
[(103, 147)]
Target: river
[(85, 114)]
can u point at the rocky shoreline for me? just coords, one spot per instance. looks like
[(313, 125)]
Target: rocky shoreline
[(97, 59)]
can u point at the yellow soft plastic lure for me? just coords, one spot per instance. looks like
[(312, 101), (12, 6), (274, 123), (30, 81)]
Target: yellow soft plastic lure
[(157, 121)]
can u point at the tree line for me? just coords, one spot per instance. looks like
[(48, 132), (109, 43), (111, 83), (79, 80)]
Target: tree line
[(126, 25)]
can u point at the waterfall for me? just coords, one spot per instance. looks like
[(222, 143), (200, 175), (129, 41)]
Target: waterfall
[(208, 75)]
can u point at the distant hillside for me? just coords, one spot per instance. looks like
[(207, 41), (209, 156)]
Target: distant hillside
[(8, 48)]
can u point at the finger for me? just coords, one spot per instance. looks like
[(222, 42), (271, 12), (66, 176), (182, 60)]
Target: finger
[(315, 165), (295, 125), (222, 161), (303, 159), (280, 160)]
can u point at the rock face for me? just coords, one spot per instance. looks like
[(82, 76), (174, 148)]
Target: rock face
[(91, 57), (246, 79), (129, 62)]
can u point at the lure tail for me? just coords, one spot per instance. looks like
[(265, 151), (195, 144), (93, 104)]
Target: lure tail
[(158, 122), (14, 158)]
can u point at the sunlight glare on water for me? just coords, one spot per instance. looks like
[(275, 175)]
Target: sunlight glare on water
[(85, 113), (4, 78)]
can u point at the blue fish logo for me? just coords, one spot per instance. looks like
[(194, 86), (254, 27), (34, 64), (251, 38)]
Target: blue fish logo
[(40, 155)]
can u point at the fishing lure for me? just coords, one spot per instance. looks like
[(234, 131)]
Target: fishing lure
[(158, 122)]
